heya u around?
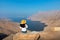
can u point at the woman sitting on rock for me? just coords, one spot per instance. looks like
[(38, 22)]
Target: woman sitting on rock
[(23, 26)]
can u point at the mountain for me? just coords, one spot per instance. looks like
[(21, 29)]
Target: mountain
[(50, 18), (41, 23), (8, 27)]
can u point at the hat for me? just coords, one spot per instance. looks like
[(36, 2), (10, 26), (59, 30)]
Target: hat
[(23, 21)]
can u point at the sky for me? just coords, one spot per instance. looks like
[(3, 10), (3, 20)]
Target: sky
[(25, 8)]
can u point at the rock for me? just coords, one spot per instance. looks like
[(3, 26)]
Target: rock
[(27, 36), (2, 35), (50, 35), (34, 36), (10, 37)]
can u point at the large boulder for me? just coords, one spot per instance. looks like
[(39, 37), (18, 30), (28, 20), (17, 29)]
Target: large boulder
[(27, 36)]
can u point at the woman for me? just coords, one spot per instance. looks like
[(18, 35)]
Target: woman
[(23, 26)]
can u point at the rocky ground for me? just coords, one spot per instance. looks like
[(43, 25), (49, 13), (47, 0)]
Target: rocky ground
[(7, 28), (35, 36)]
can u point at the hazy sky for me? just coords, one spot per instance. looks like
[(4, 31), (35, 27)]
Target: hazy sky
[(26, 7)]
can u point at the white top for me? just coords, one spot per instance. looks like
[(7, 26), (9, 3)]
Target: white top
[(24, 29)]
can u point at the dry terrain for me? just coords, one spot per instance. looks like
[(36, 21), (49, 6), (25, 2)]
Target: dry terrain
[(8, 27), (51, 19)]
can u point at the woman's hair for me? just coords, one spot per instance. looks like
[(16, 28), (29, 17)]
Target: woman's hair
[(22, 25)]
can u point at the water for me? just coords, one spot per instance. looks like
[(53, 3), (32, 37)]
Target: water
[(32, 25)]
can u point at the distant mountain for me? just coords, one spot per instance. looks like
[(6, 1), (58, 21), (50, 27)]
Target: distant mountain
[(51, 18)]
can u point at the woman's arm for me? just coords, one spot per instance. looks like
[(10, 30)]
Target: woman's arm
[(26, 25)]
